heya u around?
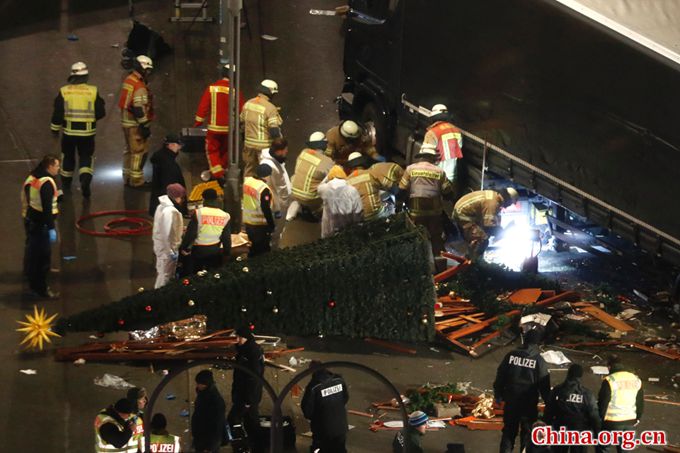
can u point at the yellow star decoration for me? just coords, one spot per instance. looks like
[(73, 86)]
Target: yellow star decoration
[(38, 328)]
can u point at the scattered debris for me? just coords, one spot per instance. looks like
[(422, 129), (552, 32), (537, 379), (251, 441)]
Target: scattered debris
[(184, 413), (603, 316), (555, 357), (600, 370), (525, 296), (72, 37), (269, 37), (79, 362), (170, 397), (112, 381), (28, 371)]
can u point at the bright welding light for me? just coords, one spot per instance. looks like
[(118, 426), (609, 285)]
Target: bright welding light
[(514, 244)]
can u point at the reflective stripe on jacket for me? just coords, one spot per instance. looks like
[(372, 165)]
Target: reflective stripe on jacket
[(387, 174), (211, 222), (164, 443), (34, 200), (79, 107), (310, 169), (258, 116), (368, 189), (135, 93), (24, 201), (136, 442), (624, 389), (214, 106), (481, 207), (252, 207), (100, 446), (447, 139), (426, 183)]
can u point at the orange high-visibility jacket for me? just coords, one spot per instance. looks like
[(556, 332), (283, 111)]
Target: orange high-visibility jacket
[(214, 107)]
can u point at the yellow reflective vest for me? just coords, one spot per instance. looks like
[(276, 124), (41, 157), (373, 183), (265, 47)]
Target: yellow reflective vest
[(164, 443), (100, 445), (34, 200), (136, 442), (211, 223), (624, 387), (252, 207), (79, 103)]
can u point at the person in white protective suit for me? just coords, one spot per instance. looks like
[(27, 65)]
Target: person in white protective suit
[(341, 203), (167, 233)]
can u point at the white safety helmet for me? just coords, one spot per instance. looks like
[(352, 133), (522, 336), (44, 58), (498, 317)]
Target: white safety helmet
[(354, 155), (272, 86), (514, 195), (350, 129), (428, 148), (317, 136), (145, 62), (79, 69), (439, 108)]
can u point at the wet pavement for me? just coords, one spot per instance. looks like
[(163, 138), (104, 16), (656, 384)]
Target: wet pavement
[(53, 410)]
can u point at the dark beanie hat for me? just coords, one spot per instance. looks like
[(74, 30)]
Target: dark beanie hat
[(245, 332), (158, 422), (125, 406), (209, 194), (175, 190), (575, 371), (205, 377), (263, 170)]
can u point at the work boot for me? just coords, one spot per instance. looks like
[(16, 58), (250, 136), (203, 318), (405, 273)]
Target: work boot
[(66, 182), (85, 181)]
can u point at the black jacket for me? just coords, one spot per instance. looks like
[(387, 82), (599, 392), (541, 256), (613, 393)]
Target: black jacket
[(408, 440), (245, 388), (111, 434), (191, 234), (521, 376), (166, 171), (573, 406), (324, 404), (58, 112), (207, 422)]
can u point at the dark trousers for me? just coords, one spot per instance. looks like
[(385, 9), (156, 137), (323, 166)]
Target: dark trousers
[(435, 228), (203, 257), (38, 254), (261, 238), (514, 420), (84, 146), (249, 417), (628, 425), (326, 444)]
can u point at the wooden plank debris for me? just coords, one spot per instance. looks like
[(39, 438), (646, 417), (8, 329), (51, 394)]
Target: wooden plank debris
[(525, 296), (606, 318)]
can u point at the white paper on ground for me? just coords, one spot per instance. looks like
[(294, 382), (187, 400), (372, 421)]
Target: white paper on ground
[(28, 371), (112, 381), (555, 357), (599, 369)]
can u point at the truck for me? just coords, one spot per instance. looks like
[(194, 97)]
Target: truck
[(578, 101)]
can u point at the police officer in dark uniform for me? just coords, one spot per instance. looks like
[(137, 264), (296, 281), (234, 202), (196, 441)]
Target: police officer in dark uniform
[(246, 390), (324, 406), (573, 406), (520, 377)]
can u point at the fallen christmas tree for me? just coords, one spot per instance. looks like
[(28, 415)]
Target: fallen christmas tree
[(372, 280)]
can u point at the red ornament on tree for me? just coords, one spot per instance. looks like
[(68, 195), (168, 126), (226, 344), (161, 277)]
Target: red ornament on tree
[(331, 304), (186, 282), (251, 326), (121, 322), (147, 308)]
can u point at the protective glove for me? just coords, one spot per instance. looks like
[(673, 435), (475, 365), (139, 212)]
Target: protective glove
[(144, 131), (379, 158), (53, 235), (174, 256)]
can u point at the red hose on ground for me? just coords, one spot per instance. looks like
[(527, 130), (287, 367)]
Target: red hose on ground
[(143, 226)]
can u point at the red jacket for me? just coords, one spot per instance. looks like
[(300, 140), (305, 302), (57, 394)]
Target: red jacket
[(447, 138), (214, 107)]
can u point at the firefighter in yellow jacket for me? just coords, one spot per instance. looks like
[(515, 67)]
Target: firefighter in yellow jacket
[(346, 138), (620, 401), (478, 216), (136, 105), (77, 108), (311, 169), (258, 218), (363, 181), (424, 185), (262, 124)]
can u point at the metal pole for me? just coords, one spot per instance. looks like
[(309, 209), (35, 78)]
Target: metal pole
[(233, 185)]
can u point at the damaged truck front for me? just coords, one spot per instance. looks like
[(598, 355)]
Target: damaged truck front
[(572, 99)]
